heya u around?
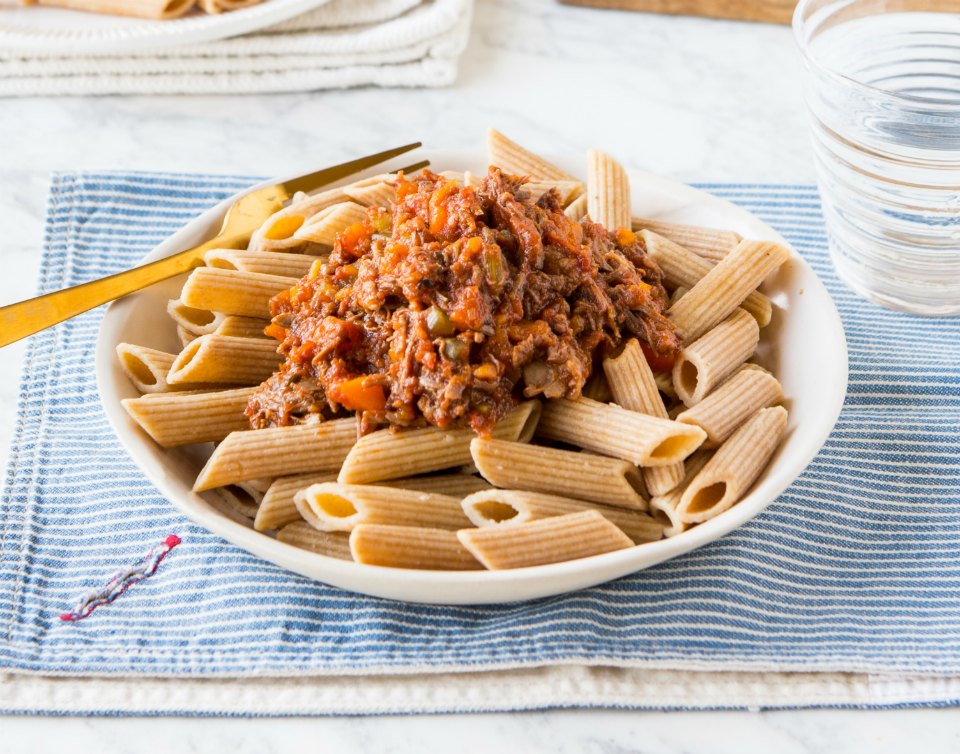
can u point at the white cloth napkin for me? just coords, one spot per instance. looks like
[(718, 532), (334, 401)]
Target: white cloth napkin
[(343, 44)]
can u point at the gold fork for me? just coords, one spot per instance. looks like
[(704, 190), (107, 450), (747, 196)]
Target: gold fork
[(244, 216)]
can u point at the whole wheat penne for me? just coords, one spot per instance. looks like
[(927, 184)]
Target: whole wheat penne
[(341, 507), (577, 209), (501, 507), (278, 232), (608, 191), (635, 388), (664, 382), (242, 327), (454, 485), (663, 508), (333, 544), (278, 451), (213, 359), (410, 547), (236, 502), (597, 388), (582, 476), (682, 267), (510, 157), (233, 292), (714, 356), (394, 455), (219, 6), (185, 336), (148, 368), (708, 243), (173, 419), (565, 189), (277, 508), (615, 431), (718, 293), (678, 293), (378, 191), (727, 407), (155, 9), (323, 227), (263, 262), (196, 321), (734, 467), (547, 540)]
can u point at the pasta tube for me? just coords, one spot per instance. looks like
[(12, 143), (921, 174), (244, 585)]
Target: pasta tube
[(277, 509), (341, 507), (263, 262), (611, 430), (278, 451), (727, 407), (378, 191), (583, 476), (156, 9), (148, 368), (566, 189), (734, 467), (708, 243), (196, 321), (510, 157), (501, 507), (713, 357), (718, 293), (410, 547), (548, 540), (277, 232), (455, 485), (394, 455), (635, 389), (225, 359), (663, 508), (242, 327), (608, 191), (333, 544), (324, 226), (232, 292), (173, 419), (684, 268), (577, 209)]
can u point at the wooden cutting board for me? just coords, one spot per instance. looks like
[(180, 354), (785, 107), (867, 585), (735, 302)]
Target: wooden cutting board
[(771, 11)]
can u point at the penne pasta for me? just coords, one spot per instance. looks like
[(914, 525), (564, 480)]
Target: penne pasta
[(262, 262), (278, 232), (614, 431), (708, 243), (734, 468), (173, 419), (232, 292), (635, 389), (378, 191), (185, 336), (608, 191), (682, 267), (727, 407), (323, 227), (153, 9), (510, 157), (510, 507), (330, 506), (216, 359), (597, 388), (196, 321), (582, 476), (664, 382), (277, 508), (663, 508), (278, 451), (547, 540), (333, 544), (714, 356), (237, 502), (718, 293), (577, 209), (567, 190), (242, 327), (410, 547), (454, 485), (148, 368), (219, 6), (394, 455)]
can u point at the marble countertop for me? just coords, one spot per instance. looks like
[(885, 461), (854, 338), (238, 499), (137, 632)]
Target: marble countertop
[(693, 99)]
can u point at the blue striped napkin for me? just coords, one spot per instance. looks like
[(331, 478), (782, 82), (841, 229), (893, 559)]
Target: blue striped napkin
[(855, 568)]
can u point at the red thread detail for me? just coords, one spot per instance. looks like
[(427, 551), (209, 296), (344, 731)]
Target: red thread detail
[(172, 541)]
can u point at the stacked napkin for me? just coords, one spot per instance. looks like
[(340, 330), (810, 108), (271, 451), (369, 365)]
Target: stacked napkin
[(845, 591), (344, 43)]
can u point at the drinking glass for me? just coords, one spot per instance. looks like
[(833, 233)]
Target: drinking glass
[(882, 86)]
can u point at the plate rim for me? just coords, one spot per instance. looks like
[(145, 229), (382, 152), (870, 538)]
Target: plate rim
[(419, 586)]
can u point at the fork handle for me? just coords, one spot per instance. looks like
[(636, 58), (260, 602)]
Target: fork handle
[(25, 318)]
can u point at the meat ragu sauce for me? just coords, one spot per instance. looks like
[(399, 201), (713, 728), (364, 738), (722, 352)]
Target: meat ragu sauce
[(456, 306)]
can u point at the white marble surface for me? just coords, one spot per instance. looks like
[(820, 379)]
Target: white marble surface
[(694, 99)]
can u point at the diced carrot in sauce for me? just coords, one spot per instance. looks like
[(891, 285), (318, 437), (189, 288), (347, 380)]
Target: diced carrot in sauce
[(358, 395)]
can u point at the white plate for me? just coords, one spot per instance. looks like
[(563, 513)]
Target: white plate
[(804, 346), (66, 32)]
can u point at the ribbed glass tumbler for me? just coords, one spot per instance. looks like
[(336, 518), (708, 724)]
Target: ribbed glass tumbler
[(882, 87)]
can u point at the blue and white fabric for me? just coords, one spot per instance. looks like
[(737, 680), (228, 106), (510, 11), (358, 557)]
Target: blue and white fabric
[(854, 569)]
